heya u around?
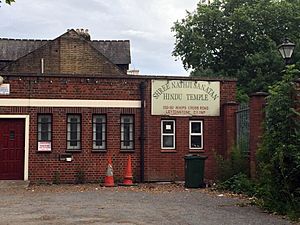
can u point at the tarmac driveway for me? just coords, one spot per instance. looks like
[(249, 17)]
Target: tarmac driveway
[(148, 204)]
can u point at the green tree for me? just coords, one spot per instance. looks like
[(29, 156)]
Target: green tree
[(238, 38), (8, 1)]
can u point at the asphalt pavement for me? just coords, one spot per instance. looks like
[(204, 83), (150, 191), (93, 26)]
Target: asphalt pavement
[(93, 204)]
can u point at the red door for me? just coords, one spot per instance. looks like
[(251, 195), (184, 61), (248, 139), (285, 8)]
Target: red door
[(12, 132)]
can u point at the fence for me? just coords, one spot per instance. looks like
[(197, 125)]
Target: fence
[(243, 128)]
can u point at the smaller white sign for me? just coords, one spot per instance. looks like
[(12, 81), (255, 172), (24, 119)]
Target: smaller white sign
[(4, 89), (44, 146)]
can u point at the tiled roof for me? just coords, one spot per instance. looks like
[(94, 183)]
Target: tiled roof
[(12, 49), (118, 52)]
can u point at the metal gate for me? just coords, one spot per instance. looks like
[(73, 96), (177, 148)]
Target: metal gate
[(243, 128)]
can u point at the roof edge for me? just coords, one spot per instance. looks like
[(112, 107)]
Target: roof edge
[(29, 39), (64, 75), (23, 39)]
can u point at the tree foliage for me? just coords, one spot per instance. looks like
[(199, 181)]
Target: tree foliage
[(238, 38), (279, 155), (8, 1)]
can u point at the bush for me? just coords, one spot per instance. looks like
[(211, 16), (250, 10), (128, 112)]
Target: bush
[(279, 155), (239, 184), (233, 173), (235, 164), (278, 184)]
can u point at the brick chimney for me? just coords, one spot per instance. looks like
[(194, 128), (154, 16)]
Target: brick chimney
[(84, 33)]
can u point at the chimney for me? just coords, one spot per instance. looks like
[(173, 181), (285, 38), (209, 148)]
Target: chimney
[(84, 33)]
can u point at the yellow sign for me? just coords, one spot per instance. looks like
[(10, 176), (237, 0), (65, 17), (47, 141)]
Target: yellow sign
[(185, 98)]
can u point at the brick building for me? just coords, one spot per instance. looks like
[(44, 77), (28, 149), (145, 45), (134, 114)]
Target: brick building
[(67, 104)]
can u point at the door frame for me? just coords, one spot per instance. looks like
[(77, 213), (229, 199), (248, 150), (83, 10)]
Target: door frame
[(26, 138)]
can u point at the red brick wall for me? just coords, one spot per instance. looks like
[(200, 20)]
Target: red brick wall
[(94, 164), (168, 165), (229, 118), (257, 104), (42, 166), (158, 165)]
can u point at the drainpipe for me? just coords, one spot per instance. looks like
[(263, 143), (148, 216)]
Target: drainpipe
[(142, 133)]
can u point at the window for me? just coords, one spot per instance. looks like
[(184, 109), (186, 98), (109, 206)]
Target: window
[(196, 135), (168, 134), (127, 132), (12, 135), (99, 132), (74, 132), (44, 132)]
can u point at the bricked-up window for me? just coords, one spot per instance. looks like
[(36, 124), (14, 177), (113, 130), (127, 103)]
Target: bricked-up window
[(44, 132), (168, 134), (196, 135), (127, 132), (74, 132), (99, 132)]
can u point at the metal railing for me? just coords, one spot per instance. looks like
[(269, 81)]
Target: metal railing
[(243, 128)]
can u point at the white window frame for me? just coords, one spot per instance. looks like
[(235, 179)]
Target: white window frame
[(103, 132), (129, 147), (195, 134), (167, 134), (49, 127), (44, 144), (78, 131)]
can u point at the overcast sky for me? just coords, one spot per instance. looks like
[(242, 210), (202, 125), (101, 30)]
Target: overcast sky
[(146, 23)]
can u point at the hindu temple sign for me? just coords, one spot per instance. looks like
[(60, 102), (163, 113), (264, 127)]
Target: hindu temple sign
[(185, 98)]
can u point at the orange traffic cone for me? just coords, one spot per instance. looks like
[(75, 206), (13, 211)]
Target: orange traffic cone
[(109, 178), (128, 173)]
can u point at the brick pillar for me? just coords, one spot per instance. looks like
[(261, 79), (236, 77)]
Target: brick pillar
[(229, 119), (257, 104)]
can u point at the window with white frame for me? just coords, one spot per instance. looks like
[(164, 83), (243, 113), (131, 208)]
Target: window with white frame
[(74, 132), (168, 134), (44, 132), (99, 132), (127, 132), (196, 134)]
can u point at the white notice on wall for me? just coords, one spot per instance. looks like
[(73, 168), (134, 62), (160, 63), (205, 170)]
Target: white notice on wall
[(44, 146), (4, 89)]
